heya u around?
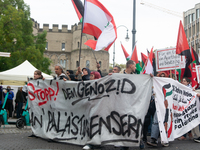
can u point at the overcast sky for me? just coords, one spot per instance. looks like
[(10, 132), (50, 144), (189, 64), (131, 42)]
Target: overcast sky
[(154, 27)]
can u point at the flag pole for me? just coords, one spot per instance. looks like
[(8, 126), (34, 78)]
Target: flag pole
[(81, 36)]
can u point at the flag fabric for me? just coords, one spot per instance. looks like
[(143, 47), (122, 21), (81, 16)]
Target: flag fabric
[(194, 76), (144, 59), (100, 23), (195, 57), (182, 47), (134, 57), (149, 65), (79, 8), (127, 56)]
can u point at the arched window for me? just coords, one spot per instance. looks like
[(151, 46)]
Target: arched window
[(87, 64), (100, 63), (64, 64)]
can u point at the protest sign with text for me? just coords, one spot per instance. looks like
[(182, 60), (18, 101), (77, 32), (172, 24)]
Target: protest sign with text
[(177, 108), (166, 59), (106, 111)]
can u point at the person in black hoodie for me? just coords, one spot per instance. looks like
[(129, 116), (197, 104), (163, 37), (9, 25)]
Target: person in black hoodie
[(85, 73), (71, 75)]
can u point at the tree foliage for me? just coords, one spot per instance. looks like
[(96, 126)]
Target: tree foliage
[(16, 37)]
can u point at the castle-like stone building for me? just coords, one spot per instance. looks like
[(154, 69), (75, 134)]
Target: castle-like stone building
[(63, 45)]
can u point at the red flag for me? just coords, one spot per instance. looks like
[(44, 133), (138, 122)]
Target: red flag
[(195, 57), (149, 65), (182, 46), (194, 76), (125, 52), (144, 58), (134, 55)]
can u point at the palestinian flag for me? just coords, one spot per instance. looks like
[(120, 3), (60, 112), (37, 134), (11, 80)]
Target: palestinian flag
[(144, 59), (127, 56), (182, 47), (100, 23), (79, 8), (195, 57), (149, 65), (134, 57)]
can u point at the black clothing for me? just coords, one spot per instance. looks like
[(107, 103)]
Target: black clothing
[(86, 77)]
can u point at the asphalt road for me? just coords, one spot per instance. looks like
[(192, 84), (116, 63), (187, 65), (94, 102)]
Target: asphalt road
[(12, 138)]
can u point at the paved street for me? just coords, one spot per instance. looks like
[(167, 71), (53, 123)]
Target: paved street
[(12, 138)]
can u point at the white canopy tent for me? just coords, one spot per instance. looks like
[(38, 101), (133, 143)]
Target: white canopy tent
[(21, 72)]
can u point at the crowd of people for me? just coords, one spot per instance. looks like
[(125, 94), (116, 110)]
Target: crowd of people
[(150, 122)]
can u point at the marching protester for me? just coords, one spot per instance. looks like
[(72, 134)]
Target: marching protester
[(71, 75), (130, 67), (60, 74), (186, 81), (83, 75), (95, 75), (155, 126)]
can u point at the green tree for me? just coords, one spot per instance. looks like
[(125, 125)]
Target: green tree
[(16, 37)]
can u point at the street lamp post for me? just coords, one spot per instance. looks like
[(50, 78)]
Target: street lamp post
[(126, 38), (134, 30)]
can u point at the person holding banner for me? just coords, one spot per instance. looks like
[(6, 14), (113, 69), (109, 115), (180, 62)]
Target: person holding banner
[(85, 74), (186, 81), (130, 67), (95, 75), (60, 74), (155, 126)]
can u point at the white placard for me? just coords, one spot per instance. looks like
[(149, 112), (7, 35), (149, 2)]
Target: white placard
[(166, 58)]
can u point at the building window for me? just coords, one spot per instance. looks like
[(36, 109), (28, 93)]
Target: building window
[(63, 46), (46, 48), (193, 17), (87, 64), (197, 27), (61, 62), (78, 44), (193, 30), (77, 64), (197, 13), (190, 19), (100, 63), (64, 63), (185, 21), (190, 32), (186, 33)]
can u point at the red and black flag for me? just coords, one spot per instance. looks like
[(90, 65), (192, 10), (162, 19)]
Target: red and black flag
[(195, 57), (79, 8), (182, 47)]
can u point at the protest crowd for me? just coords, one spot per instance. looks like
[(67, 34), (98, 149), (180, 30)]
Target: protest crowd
[(86, 108)]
